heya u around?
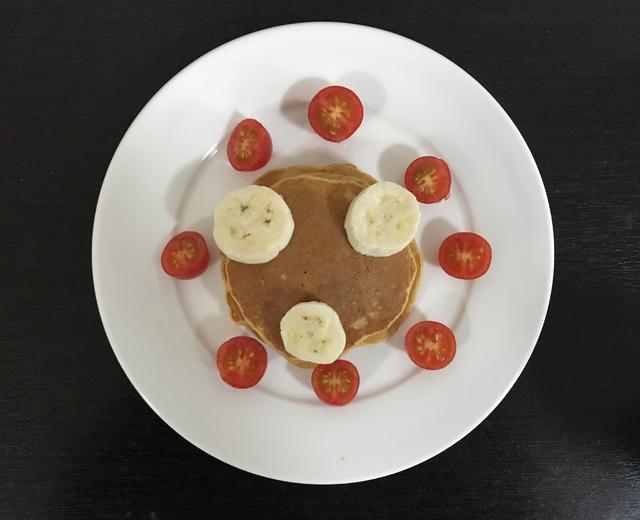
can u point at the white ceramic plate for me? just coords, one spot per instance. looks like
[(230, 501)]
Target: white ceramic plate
[(171, 169)]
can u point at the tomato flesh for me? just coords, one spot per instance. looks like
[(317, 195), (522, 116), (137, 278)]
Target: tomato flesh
[(185, 256), (429, 179), (430, 345), (249, 147), (336, 383), (241, 361), (335, 113), (465, 255)]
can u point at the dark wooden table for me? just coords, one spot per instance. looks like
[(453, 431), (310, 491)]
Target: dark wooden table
[(76, 440)]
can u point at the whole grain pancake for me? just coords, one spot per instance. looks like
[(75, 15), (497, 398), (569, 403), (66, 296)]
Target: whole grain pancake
[(372, 295)]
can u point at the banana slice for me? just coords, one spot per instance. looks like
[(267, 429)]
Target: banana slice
[(311, 331), (382, 219), (252, 224)]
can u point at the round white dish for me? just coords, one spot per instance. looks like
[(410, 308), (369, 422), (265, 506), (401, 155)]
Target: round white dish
[(170, 170)]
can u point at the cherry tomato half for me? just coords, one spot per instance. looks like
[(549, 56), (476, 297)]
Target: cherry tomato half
[(337, 383), (185, 256), (241, 361), (465, 255), (249, 146), (430, 345), (429, 179), (335, 113)]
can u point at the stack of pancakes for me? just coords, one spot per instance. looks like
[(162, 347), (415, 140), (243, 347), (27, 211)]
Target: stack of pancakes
[(372, 295)]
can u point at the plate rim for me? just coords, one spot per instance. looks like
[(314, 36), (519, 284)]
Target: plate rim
[(548, 225)]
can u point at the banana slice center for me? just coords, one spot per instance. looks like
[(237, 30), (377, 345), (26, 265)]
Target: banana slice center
[(249, 217)]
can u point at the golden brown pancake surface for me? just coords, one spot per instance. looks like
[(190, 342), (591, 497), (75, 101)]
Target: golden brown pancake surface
[(372, 295)]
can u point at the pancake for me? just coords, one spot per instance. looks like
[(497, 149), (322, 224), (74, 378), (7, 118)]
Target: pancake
[(372, 295)]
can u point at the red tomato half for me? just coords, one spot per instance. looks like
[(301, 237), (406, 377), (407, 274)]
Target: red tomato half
[(429, 179), (465, 255), (335, 113), (336, 383), (430, 345), (241, 361), (185, 256), (249, 146)]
